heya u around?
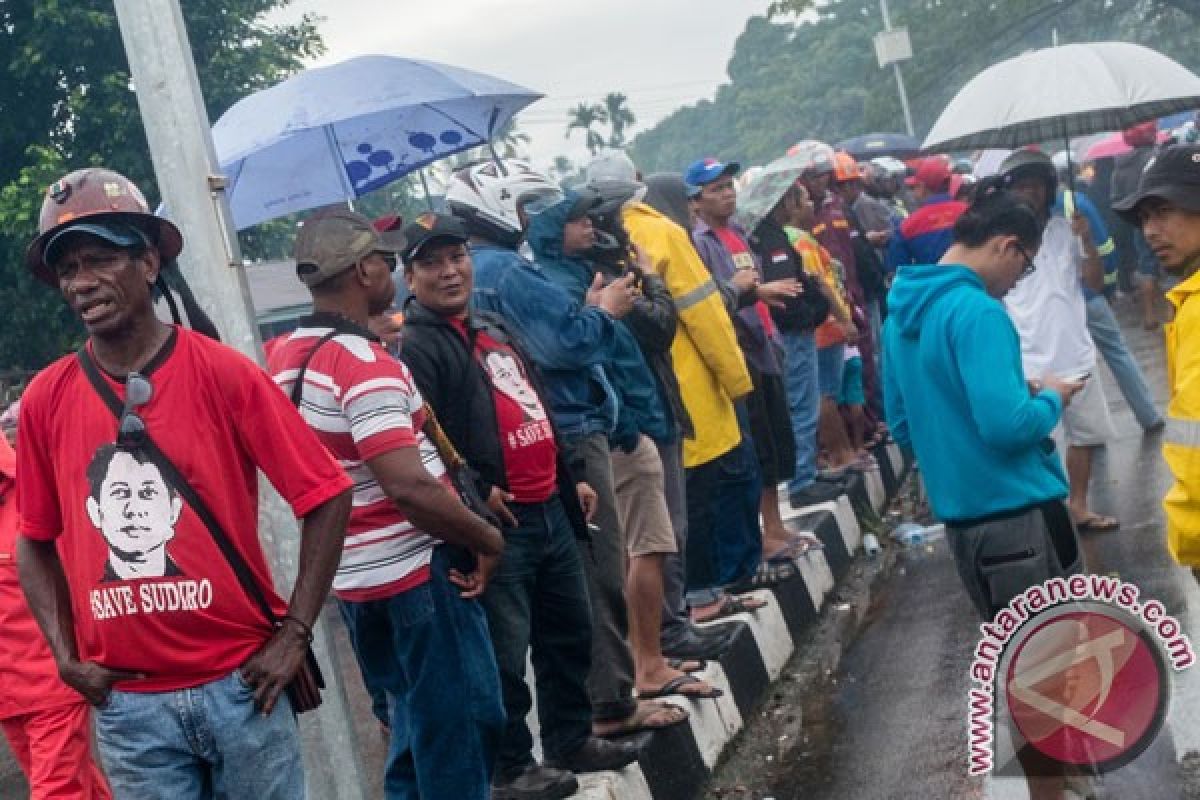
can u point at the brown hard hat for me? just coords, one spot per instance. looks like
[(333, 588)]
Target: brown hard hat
[(96, 195)]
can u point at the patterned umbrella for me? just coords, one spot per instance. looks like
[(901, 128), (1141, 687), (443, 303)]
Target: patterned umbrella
[(1062, 92), (332, 134), (765, 191)]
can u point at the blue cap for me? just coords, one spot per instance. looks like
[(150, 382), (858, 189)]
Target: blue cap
[(705, 171), (121, 234)]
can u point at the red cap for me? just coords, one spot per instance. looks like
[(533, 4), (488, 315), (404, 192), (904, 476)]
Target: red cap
[(1142, 135), (933, 173)]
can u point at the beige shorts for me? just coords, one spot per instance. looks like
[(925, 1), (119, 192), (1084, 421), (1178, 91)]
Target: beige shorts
[(1086, 421), (641, 501)]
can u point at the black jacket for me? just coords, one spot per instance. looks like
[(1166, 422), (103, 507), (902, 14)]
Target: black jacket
[(780, 261), (460, 393), (653, 321)]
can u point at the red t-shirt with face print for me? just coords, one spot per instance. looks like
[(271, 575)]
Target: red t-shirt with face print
[(150, 591), (526, 436)]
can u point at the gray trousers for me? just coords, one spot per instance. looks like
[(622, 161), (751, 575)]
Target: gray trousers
[(675, 614), (610, 681), (1002, 557)]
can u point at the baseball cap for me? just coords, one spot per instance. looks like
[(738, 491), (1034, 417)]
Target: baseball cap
[(933, 173), (115, 232), (428, 228), (611, 166), (331, 242), (1173, 174), (705, 171), (390, 230)]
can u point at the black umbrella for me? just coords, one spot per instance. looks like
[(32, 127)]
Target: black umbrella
[(873, 145)]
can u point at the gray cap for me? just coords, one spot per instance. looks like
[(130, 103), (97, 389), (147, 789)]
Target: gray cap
[(612, 165), (331, 242)]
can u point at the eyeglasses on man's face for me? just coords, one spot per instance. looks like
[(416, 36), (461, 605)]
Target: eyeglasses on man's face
[(1029, 267)]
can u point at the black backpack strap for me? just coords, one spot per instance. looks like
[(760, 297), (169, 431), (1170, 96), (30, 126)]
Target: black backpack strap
[(174, 478), (298, 386)]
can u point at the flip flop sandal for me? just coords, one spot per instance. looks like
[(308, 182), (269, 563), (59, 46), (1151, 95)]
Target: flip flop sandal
[(639, 721), (1098, 524), (731, 605), (681, 664), (672, 687), (798, 544)]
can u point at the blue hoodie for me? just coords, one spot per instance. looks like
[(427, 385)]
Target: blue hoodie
[(954, 393), (641, 408)]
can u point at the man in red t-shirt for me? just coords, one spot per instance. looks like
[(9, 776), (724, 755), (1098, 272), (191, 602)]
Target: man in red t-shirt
[(485, 392), (142, 609), (46, 722), (409, 596)]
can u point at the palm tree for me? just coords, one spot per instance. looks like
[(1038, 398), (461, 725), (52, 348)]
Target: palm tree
[(584, 116), (511, 142), (563, 167), (620, 118)]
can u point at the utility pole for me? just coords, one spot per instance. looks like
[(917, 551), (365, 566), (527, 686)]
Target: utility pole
[(895, 62), (185, 162)]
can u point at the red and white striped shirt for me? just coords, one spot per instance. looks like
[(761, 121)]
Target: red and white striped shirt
[(362, 403)]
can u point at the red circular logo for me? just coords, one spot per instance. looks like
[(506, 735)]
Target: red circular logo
[(1087, 688)]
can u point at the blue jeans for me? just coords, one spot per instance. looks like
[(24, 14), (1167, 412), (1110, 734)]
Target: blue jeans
[(199, 743), (738, 537), (380, 706), (430, 650), (539, 597), (804, 402), (1106, 333)]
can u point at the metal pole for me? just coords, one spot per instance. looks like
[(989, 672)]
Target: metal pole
[(177, 128), (887, 26)]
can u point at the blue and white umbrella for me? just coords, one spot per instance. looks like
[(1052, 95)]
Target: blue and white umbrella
[(331, 134)]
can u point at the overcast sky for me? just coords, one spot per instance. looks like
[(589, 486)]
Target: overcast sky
[(661, 53)]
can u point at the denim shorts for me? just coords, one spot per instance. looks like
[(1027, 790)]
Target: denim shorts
[(830, 367)]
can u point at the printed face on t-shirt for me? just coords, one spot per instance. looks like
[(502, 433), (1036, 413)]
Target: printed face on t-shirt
[(135, 511), (506, 377)]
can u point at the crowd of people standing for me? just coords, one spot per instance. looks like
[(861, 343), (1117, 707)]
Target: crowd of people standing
[(572, 450)]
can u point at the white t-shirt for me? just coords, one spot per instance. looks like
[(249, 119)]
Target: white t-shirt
[(1049, 310)]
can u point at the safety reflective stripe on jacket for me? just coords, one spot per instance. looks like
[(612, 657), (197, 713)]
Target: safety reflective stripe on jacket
[(705, 353), (1181, 447)]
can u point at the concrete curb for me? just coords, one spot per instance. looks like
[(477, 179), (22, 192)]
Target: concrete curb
[(677, 762)]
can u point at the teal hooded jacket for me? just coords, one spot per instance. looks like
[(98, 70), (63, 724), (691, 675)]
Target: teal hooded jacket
[(955, 394)]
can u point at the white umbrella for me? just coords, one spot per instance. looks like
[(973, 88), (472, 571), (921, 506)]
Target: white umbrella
[(1062, 92), (332, 134)]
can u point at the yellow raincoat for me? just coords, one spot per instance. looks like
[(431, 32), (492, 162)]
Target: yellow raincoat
[(708, 361), (1182, 447)]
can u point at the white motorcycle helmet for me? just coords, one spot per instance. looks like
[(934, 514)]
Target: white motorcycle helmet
[(485, 197)]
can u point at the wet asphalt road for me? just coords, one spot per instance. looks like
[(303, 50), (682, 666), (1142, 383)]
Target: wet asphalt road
[(894, 725)]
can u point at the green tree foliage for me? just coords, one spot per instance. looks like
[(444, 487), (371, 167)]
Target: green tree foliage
[(582, 117), (68, 102), (620, 118), (613, 111), (809, 70)]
